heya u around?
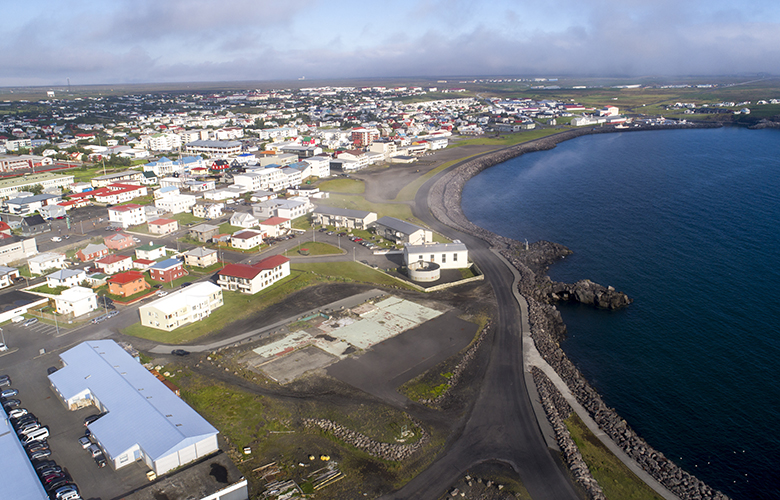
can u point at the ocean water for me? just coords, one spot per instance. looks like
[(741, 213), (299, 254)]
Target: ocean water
[(687, 223)]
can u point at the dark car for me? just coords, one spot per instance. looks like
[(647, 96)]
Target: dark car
[(38, 446), (37, 455), (91, 418), (100, 460), (185, 284), (57, 485), (51, 370), (180, 352), (44, 464), (11, 403)]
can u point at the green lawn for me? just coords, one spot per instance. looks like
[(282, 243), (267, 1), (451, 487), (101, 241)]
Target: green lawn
[(349, 271), (508, 139), (317, 247), (355, 202), (185, 218), (51, 291), (352, 186), (226, 228), (613, 476), (302, 222), (410, 190), (143, 228)]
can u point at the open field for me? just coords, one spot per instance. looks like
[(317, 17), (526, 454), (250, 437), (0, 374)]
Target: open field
[(355, 202), (350, 186)]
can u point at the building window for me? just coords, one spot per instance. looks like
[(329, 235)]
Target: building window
[(443, 258), (455, 257)]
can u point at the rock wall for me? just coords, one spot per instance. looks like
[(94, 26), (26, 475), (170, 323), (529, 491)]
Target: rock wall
[(547, 327), (558, 410), (387, 451)]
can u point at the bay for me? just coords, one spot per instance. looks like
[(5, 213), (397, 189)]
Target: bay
[(686, 223)]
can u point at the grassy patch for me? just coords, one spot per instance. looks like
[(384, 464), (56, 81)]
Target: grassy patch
[(319, 248), (613, 476), (50, 290), (302, 222), (185, 218), (352, 186), (507, 139), (410, 190), (349, 271), (142, 228), (467, 273), (226, 228)]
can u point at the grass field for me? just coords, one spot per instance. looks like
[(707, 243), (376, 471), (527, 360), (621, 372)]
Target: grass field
[(356, 202), (613, 476), (351, 186), (508, 139), (318, 247)]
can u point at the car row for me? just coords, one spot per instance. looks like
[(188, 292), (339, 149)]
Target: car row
[(104, 317)]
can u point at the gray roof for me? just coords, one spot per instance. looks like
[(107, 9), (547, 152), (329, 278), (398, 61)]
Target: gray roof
[(94, 248), (141, 410), (202, 228), (398, 225), (200, 252), (5, 270), (32, 199), (214, 144), (22, 483), (344, 212), (63, 274)]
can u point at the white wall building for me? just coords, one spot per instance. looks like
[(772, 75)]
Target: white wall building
[(453, 255), (182, 307), (77, 300), (144, 420), (176, 203), (127, 215), (42, 262)]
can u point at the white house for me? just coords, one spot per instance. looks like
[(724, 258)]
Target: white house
[(176, 203), (275, 226), (114, 263), (42, 262), (66, 277), (453, 255), (246, 239), (127, 215), (182, 307), (400, 231), (243, 219), (320, 165), (143, 419), (77, 300), (253, 278), (208, 210)]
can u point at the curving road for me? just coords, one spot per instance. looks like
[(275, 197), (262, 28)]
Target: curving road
[(502, 425)]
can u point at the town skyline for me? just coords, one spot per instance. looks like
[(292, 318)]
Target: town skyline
[(47, 43)]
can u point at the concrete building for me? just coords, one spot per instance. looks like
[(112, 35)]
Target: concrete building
[(176, 203), (16, 248), (182, 307), (77, 301), (13, 185), (453, 255), (203, 232), (118, 241), (251, 279), (201, 257), (246, 239), (208, 210), (8, 275), (127, 215), (214, 149), (343, 217), (144, 420), (92, 251), (400, 231), (243, 219), (275, 226), (150, 251), (66, 277)]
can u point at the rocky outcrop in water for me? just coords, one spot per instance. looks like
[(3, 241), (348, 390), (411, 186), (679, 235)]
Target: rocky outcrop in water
[(587, 292)]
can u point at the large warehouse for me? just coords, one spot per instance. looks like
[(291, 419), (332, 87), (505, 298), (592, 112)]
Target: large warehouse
[(144, 420)]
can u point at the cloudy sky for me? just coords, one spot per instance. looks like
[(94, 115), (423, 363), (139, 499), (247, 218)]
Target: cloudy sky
[(45, 42)]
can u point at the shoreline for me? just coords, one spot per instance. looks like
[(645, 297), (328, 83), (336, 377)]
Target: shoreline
[(547, 326)]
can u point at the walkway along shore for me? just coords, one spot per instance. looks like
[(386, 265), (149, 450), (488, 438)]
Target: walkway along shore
[(556, 374)]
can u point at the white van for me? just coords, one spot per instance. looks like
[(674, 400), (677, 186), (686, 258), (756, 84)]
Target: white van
[(17, 319), (36, 435)]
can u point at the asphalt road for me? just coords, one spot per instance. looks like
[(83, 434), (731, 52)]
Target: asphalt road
[(502, 425)]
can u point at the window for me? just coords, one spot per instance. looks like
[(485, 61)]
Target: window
[(433, 258), (443, 258), (455, 257)]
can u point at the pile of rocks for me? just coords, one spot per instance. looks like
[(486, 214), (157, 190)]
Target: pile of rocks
[(457, 372), (386, 451), (557, 410)]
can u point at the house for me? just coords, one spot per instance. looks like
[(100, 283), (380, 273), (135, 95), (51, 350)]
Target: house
[(8, 275), (453, 255), (127, 284), (76, 300), (175, 203), (208, 210), (163, 226), (253, 278), (150, 251), (290, 208), (246, 239), (33, 225), (275, 227), (27, 205), (167, 270), (118, 241), (92, 252), (127, 215), (42, 262), (114, 263), (400, 231), (343, 217), (184, 306), (243, 219), (50, 212), (66, 277), (201, 257), (203, 232), (143, 264), (126, 177), (143, 420)]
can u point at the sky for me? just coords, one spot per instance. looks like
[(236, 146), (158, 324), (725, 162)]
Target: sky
[(47, 42)]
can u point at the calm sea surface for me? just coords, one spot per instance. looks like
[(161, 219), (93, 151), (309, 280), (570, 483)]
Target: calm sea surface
[(686, 222)]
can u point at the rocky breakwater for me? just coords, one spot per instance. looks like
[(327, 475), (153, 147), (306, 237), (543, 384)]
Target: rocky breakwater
[(547, 327), (388, 451)]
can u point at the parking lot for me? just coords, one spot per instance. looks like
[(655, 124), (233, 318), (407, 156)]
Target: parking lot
[(27, 369)]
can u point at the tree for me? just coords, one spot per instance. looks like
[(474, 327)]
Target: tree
[(36, 189)]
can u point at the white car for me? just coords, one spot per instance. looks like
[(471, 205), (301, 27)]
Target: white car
[(3, 347), (56, 238), (161, 293)]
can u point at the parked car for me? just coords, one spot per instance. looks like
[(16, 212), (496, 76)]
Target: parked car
[(6, 382), (84, 441), (180, 352), (100, 460), (56, 239), (111, 314), (94, 450), (5, 377), (51, 370), (67, 492), (37, 455), (3, 347), (8, 393), (38, 446), (17, 413), (99, 319), (57, 485), (44, 464), (30, 321), (185, 284), (11, 403), (161, 293), (91, 418)]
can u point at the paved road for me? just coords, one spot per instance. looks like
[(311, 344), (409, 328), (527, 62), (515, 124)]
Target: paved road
[(502, 425)]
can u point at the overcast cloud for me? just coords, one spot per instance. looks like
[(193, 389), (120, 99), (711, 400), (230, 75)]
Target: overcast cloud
[(123, 41)]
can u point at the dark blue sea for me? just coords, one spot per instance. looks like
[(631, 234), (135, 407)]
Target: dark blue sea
[(687, 223)]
